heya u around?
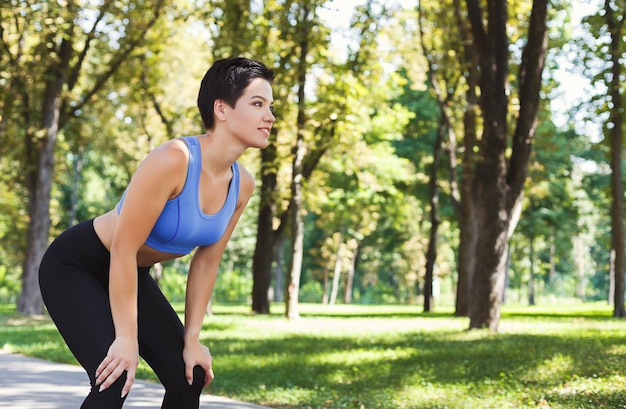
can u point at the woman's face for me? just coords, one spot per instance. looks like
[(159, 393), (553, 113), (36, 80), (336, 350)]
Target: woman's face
[(251, 119)]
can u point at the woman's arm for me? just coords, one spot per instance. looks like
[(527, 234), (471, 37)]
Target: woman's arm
[(157, 179), (200, 284)]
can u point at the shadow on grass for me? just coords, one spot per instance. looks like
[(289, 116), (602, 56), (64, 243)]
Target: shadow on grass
[(421, 368), (380, 314), (38, 339), (333, 369), (601, 399), (596, 315)]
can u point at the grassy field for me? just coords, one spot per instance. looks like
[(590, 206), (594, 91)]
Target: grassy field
[(395, 357)]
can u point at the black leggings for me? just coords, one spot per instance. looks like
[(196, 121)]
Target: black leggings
[(74, 283)]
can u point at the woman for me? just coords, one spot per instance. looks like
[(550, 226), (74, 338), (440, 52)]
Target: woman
[(186, 194)]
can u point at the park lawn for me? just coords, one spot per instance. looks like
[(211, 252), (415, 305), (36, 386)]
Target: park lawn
[(395, 357)]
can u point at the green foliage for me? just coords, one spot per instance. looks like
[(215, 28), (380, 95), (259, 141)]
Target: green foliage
[(233, 287), (9, 285), (173, 284), (565, 356), (549, 221), (380, 293), (12, 240), (311, 292), (371, 118)]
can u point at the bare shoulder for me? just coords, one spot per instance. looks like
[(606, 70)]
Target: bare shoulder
[(172, 152), (169, 157), (246, 186), (166, 165)]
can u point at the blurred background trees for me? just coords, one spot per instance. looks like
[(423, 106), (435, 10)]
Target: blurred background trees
[(374, 186)]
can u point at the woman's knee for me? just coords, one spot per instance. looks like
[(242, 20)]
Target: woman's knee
[(180, 395), (180, 383), (109, 398)]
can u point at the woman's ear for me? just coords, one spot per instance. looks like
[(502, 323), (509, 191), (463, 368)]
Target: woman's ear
[(219, 109)]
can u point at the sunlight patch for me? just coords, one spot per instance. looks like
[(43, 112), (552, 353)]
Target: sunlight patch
[(553, 368), (362, 356), (289, 396), (588, 386), (616, 350)]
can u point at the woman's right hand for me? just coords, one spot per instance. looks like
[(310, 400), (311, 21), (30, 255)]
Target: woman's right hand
[(123, 355)]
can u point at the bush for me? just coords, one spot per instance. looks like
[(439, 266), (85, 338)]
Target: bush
[(233, 287), (9, 286), (381, 293), (311, 292), (173, 284)]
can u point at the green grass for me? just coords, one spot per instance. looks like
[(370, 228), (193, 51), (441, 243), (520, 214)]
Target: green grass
[(395, 357)]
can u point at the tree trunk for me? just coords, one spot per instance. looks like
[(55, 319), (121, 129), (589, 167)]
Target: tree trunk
[(157, 272), (507, 271), (442, 97), (498, 188), (349, 288), (466, 257), (40, 183), (326, 296), (297, 224), (337, 272), (30, 301), (488, 283), (552, 272), (463, 200), (433, 188), (617, 185), (531, 277), (579, 251), (612, 291), (60, 79), (279, 273), (78, 161), (264, 249), (295, 268)]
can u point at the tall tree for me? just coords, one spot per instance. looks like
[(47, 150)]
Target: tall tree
[(282, 36), (462, 196), (453, 72), (499, 179), (313, 122), (615, 18), (59, 67), (444, 128), (305, 20), (239, 29)]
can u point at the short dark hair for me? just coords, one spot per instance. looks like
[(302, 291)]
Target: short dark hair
[(227, 79)]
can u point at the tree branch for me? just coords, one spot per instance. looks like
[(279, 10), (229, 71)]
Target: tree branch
[(533, 58), (73, 77), (117, 60)]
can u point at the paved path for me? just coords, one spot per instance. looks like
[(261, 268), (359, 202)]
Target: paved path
[(30, 383)]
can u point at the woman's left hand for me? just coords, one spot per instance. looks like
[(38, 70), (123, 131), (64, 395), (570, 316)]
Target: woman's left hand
[(196, 354)]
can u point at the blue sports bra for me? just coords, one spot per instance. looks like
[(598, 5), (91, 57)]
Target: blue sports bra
[(182, 224)]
